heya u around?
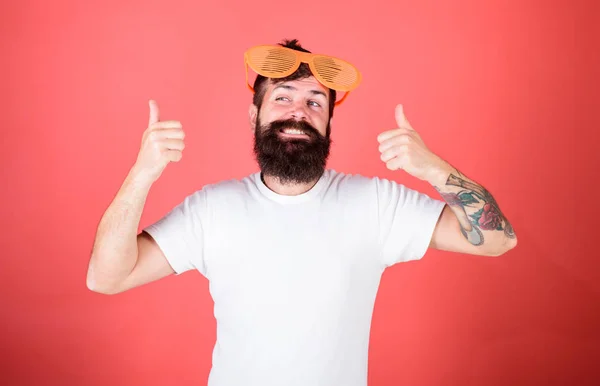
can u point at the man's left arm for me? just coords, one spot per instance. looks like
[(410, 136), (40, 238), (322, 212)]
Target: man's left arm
[(472, 222)]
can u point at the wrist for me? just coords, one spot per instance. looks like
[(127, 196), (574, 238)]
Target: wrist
[(138, 178), (440, 174)]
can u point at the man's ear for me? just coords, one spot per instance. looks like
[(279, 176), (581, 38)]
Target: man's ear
[(252, 115)]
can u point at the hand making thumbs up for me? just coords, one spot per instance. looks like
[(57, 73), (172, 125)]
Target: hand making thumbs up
[(403, 148), (162, 142)]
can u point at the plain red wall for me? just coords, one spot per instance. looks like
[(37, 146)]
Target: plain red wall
[(507, 91)]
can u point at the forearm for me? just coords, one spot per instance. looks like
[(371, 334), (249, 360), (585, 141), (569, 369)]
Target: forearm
[(115, 250), (481, 221)]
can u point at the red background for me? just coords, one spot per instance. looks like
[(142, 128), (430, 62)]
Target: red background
[(507, 91)]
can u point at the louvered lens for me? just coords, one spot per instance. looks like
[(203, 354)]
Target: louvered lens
[(336, 73), (272, 62)]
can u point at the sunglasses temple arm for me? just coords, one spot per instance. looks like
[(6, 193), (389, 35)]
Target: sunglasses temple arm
[(247, 82), (341, 100)]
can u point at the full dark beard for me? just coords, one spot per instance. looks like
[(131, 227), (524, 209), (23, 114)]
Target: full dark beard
[(291, 160)]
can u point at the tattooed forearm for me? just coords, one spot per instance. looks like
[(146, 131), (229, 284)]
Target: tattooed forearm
[(476, 209)]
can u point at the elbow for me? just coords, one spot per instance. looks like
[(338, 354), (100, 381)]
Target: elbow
[(104, 290), (93, 284), (509, 244)]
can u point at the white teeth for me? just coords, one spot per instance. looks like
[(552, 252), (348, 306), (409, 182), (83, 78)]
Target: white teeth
[(293, 131)]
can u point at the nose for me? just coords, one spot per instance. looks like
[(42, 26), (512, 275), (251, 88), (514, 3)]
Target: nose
[(298, 111)]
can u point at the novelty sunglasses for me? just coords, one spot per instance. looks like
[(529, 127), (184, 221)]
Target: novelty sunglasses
[(278, 62)]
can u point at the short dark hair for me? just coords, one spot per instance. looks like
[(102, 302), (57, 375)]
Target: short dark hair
[(302, 72)]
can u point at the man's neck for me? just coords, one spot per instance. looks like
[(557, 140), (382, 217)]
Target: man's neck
[(289, 189)]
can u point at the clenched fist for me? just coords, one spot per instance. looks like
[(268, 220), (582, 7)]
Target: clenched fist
[(162, 143)]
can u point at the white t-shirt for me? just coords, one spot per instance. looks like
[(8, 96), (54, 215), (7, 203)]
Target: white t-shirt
[(294, 278)]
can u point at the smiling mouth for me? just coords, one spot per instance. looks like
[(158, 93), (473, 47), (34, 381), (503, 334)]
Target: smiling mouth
[(293, 133)]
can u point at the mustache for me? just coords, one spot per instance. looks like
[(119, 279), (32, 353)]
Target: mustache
[(293, 124)]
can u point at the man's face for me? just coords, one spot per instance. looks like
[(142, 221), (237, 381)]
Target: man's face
[(292, 130)]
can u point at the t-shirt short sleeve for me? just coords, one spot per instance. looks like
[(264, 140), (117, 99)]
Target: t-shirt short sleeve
[(407, 219), (180, 234)]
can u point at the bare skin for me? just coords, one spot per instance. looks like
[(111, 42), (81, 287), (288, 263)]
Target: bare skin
[(472, 211), (121, 258)]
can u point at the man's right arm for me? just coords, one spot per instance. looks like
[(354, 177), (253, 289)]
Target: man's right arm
[(121, 257)]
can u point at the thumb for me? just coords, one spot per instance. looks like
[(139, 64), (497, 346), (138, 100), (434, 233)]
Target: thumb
[(401, 120), (154, 116)]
